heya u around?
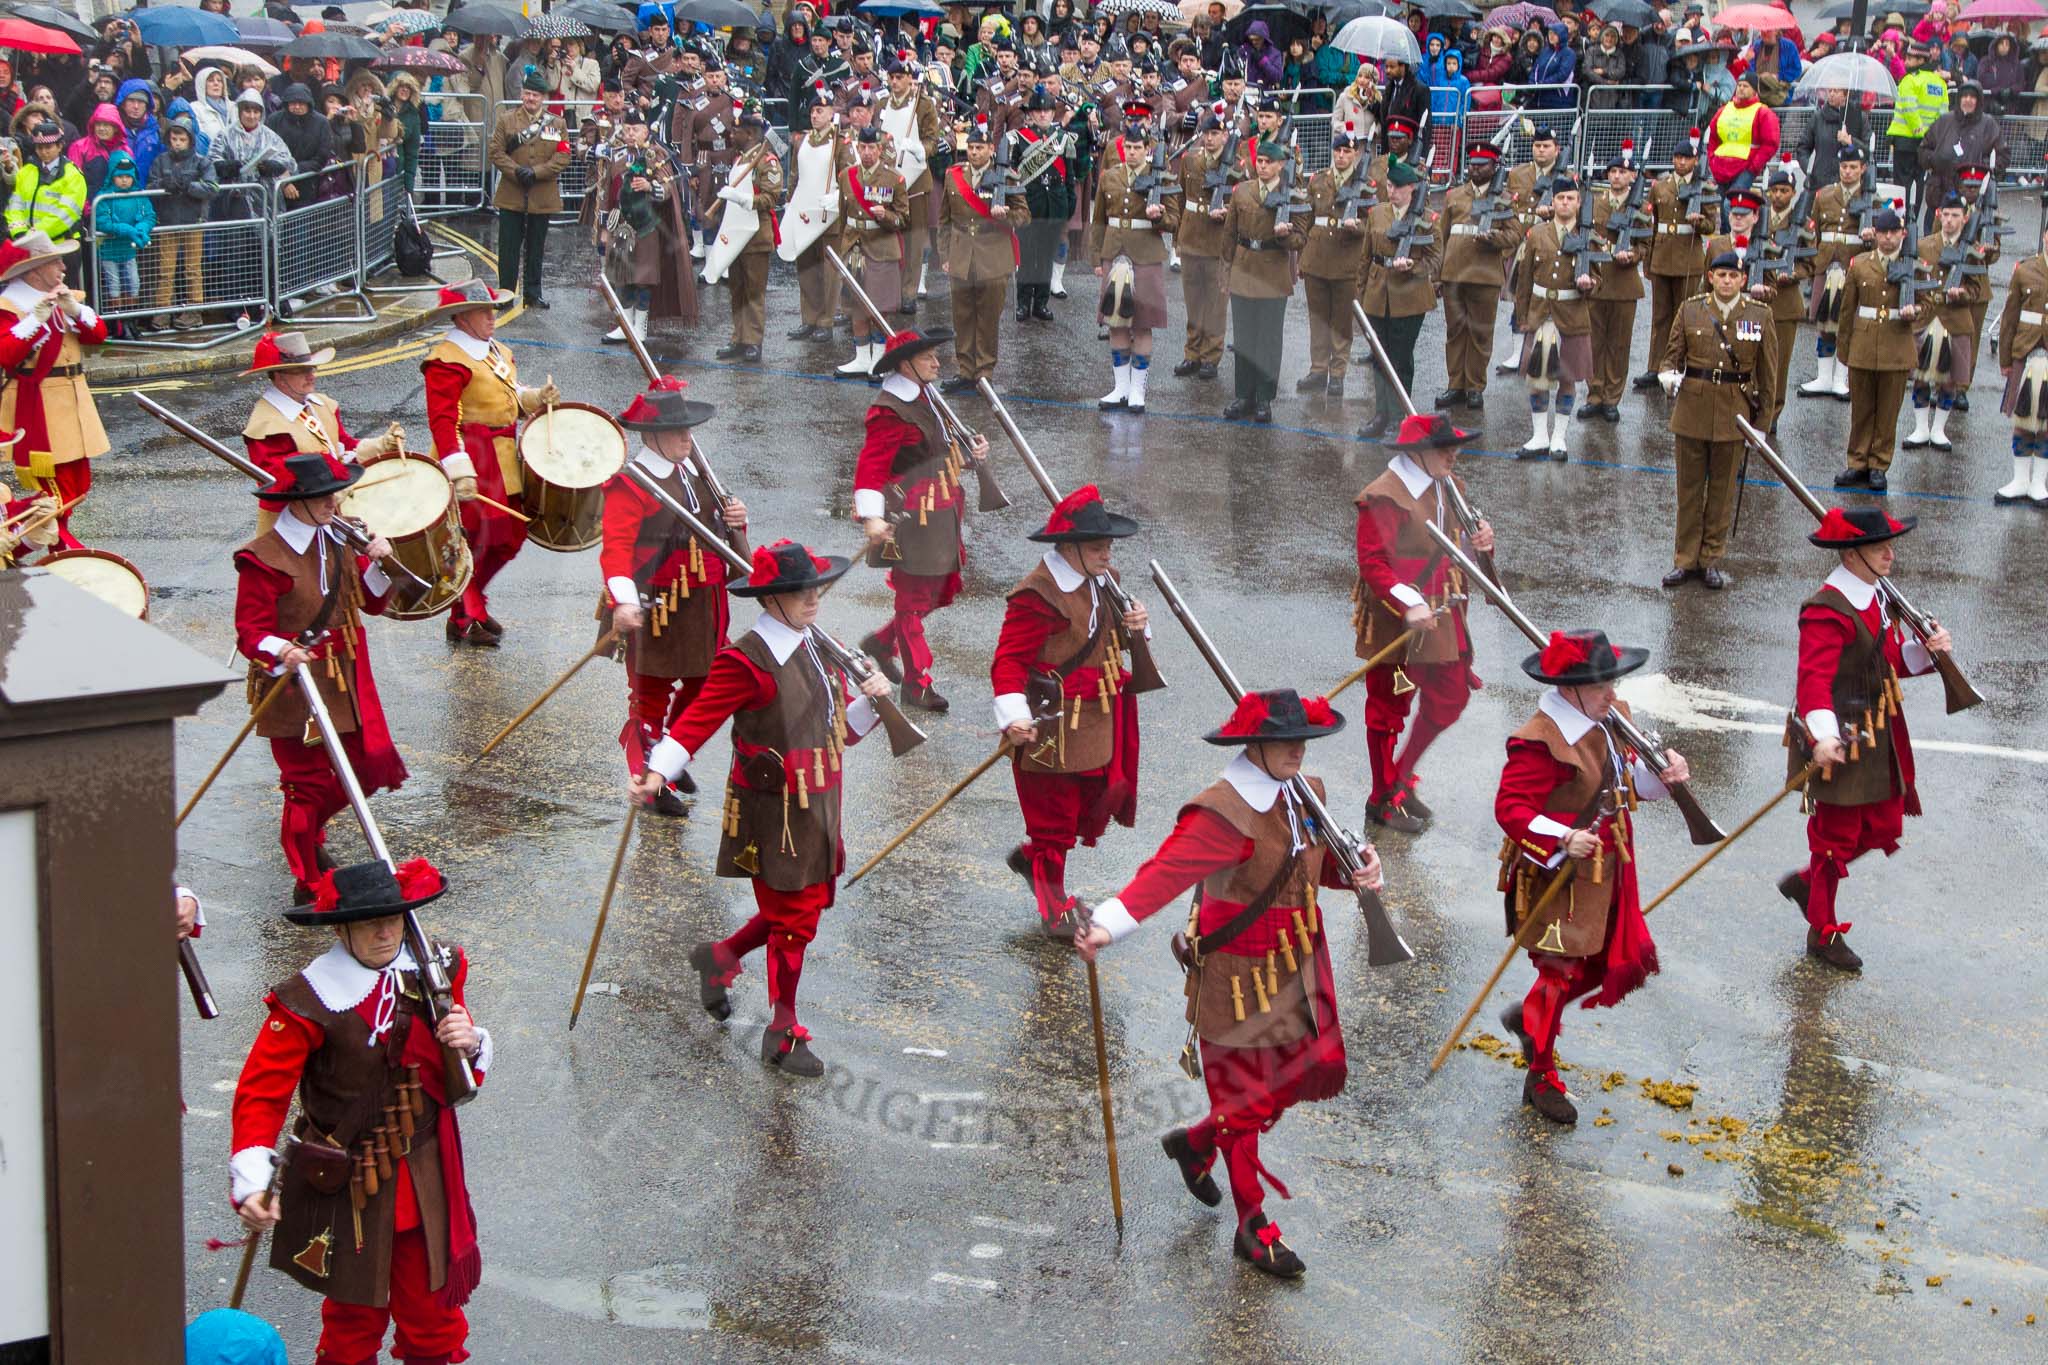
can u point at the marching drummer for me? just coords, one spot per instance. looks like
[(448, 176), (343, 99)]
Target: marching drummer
[(291, 419), (474, 402), (44, 326), (664, 589)]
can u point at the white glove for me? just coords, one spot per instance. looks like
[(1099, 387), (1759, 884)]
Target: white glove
[(44, 306), (1670, 379), (465, 489), (734, 196)]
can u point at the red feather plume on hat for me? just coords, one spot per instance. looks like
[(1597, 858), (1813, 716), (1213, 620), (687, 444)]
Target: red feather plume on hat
[(1316, 710), (668, 383), (1062, 518), (1248, 717)]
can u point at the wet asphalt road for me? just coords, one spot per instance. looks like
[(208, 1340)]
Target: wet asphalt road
[(1859, 1174)]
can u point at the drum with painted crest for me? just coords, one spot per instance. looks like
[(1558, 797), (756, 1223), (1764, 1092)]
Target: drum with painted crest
[(567, 454), (106, 576), (407, 498)]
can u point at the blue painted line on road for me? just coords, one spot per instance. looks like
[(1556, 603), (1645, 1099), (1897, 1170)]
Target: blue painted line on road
[(1217, 419)]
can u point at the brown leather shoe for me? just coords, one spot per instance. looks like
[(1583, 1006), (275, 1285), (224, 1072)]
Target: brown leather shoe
[(1258, 1241), (711, 981), (1834, 951), (1394, 816), (799, 1060), (884, 657), (1511, 1020), (1019, 862), (1415, 806), (1194, 1171), (1793, 887), (1546, 1094), (924, 698), (1062, 927)]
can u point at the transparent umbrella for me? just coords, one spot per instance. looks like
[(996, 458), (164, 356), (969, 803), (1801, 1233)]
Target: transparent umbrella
[(1851, 71), (1378, 38)]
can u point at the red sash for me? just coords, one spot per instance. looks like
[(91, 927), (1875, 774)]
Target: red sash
[(29, 419), (983, 207), (857, 190)]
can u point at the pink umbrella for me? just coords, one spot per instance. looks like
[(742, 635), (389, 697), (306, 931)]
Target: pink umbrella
[(2004, 9), (1762, 18)]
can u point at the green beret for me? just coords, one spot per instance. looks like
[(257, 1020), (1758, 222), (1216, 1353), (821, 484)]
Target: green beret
[(1272, 151), (1400, 172), (533, 80)]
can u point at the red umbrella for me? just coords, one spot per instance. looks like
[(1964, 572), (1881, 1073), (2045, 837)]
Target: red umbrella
[(22, 36), (1764, 18)]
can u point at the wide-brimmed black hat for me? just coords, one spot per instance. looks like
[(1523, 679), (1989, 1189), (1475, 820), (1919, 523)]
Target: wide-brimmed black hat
[(665, 409), (1278, 715), (1578, 658), (1429, 430), (369, 890), (1845, 530), (1081, 516), (908, 343), (787, 566), (309, 476)]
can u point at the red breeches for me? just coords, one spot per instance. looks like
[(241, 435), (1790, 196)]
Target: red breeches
[(494, 538), (353, 1333), (1443, 690), (313, 795), (1559, 981), (784, 924), (1835, 837), (73, 479), (651, 704), (1249, 1089), (1060, 810), (916, 596)]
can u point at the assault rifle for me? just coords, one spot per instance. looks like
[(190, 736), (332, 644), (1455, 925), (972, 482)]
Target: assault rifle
[(1581, 243), (1216, 179)]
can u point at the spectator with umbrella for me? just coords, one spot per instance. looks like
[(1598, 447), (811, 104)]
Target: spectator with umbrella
[(1265, 65)]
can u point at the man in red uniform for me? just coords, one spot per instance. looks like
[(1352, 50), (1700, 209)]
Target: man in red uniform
[(44, 327), (474, 402), (792, 717), (1852, 654), (300, 592), (1405, 584), (906, 493), (373, 1211), (1264, 999), (1566, 799), (1063, 699), (291, 419), (664, 589)]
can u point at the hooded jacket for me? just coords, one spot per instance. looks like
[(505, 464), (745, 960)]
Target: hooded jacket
[(124, 224), (183, 174), (309, 136), (91, 155), (1448, 90), (144, 141), (250, 154), (1264, 64)]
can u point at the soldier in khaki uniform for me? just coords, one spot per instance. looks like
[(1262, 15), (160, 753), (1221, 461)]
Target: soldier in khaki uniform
[(1474, 260), (1839, 236), (911, 122), (1550, 299), (1678, 252), (1199, 240), (1132, 215), (1878, 347), (1948, 342), (1394, 287), (1720, 361), (980, 256), (1338, 199), (756, 178), (2023, 360), (1787, 307), (1529, 187), (1615, 297), (871, 208), (705, 131), (529, 149), (1256, 258)]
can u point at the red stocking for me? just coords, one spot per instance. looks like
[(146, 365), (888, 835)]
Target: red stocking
[(785, 969), (1379, 748), (1240, 1148)]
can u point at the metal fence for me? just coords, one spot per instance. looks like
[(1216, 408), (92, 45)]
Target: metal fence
[(318, 242), (213, 274), (452, 175)]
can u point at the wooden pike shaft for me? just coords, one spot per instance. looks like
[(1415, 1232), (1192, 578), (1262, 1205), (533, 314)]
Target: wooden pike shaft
[(1797, 781), (1529, 927), (1370, 664), (240, 735), (604, 910), (1116, 1188), (604, 642), (962, 785)]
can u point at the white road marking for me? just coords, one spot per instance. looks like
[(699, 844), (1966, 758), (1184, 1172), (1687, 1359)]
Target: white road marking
[(990, 1221), (949, 1096), (1705, 708), (984, 1251), (964, 1281), (924, 1052), (192, 1113), (965, 1146)]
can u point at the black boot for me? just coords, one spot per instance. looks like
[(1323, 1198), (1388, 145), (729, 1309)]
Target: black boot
[(711, 995), (1451, 398), (1274, 1257), (799, 1060), (924, 698), (1542, 1094), (1186, 368), (1194, 1172), (1041, 306), (1833, 950), (1023, 302), (731, 351)]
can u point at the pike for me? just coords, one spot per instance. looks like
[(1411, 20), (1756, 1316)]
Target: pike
[(699, 456), (1384, 944), (604, 642), (1145, 676), (903, 736), (604, 910), (1116, 1188), (222, 762), (437, 994), (354, 534), (1699, 825), (1961, 695), (993, 498), (255, 1239)]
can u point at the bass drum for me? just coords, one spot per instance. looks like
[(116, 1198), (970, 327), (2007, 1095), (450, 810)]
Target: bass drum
[(407, 499), (567, 455), (106, 576)]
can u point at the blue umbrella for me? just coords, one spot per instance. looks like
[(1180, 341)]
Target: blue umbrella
[(180, 27), (896, 9)]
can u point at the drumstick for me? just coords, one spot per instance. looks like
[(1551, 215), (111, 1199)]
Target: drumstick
[(493, 502), (36, 516), (551, 423)]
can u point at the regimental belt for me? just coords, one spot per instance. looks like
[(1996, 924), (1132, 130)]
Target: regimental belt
[(1717, 376), (55, 372), (1842, 238), (1133, 224), (1556, 295), (1260, 243), (1466, 230), (1675, 229)]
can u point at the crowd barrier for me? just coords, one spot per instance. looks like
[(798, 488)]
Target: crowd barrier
[(218, 265)]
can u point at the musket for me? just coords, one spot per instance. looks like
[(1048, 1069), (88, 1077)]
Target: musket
[(903, 736), (1960, 694), (1648, 743), (1145, 675), (1384, 944), (993, 498), (195, 980), (699, 456), (356, 535), (437, 994)]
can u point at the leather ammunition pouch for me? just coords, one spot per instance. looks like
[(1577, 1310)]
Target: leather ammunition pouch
[(326, 1169), (763, 772)]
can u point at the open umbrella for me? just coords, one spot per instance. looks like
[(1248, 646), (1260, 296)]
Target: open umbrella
[(1877, 10), (49, 16), (1518, 16), (417, 59), (2003, 9), (1283, 24), (262, 31), (233, 56), (555, 24), (1338, 13), (405, 21), (1165, 9), (1379, 39), (1444, 9), (23, 36), (901, 9), (175, 26), (325, 45), (600, 16), (1630, 13), (1852, 71), (1763, 18), (505, 23), (717, 13)]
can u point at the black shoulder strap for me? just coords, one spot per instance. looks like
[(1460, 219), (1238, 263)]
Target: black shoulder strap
[(1254, 908)]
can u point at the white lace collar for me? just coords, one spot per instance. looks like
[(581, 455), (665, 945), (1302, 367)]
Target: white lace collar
[(283, 402), (1413, 476), (476, 348), (1258, 787), (902, 388), (294, 532), (1571, 721), (780, 639), (342, 983), (1844, 581)]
